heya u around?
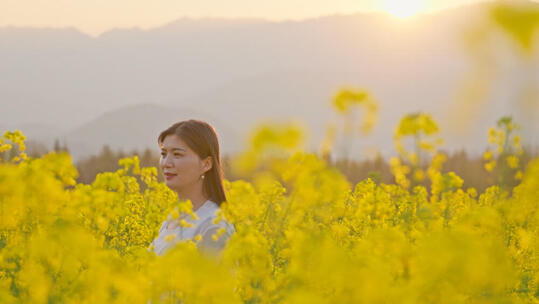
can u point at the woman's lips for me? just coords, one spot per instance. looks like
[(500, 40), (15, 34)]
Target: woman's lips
[(169, 175)]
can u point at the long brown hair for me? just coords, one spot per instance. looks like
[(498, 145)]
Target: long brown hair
[(202, 139)]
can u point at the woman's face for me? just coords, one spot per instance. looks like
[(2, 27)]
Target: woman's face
[(181, 166)]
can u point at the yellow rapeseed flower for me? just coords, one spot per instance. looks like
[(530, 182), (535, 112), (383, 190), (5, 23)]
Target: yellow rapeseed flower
[(419, 175), (218, 233), (185, 223), (512, 161), (487, 155), (490, 166)]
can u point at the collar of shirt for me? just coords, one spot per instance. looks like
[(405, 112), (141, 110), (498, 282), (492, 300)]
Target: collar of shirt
[(207, 209), (203, 212)]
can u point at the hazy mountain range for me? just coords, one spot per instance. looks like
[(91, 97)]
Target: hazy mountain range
[(126, 85)]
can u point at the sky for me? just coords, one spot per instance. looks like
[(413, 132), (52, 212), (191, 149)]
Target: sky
[(97, 16)]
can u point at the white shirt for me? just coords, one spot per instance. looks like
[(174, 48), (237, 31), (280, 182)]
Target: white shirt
[(206, 215)]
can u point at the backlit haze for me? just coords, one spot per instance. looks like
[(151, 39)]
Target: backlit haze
[(97, 16), (94, 73)]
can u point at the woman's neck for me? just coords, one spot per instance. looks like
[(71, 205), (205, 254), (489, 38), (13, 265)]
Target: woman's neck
[(197, 199)]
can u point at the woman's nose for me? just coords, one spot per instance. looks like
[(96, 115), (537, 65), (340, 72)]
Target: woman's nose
[(165, 162)]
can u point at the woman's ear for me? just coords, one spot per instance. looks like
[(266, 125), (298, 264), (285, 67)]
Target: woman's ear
[(208, 164)]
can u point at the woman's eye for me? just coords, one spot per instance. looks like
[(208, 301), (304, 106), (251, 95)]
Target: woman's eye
[(163, 153), (177, 154)]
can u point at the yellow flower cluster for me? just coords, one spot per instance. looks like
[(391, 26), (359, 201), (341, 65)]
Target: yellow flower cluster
[(346, 103), (506, 151), (269, 142), (347, 99), (416, 126), (408, 168), (16, 138), (304, 234)]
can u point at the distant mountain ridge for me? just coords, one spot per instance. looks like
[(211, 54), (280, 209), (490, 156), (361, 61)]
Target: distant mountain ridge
[(137, 128), (239, 72)]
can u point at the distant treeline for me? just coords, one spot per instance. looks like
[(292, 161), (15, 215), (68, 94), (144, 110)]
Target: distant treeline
[(469, 168)]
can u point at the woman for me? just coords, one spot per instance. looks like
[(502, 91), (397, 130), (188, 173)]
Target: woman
[(191, 166)]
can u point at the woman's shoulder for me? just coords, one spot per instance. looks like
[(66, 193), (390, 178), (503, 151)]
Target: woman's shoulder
[(163, 225), (215, 221), (214, 233)]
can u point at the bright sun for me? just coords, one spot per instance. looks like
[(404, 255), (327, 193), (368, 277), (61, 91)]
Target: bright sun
[(402, 8)]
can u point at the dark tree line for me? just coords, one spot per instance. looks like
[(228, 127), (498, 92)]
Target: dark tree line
[(469, 168)]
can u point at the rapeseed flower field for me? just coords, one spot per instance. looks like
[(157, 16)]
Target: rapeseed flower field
[(304, 234)]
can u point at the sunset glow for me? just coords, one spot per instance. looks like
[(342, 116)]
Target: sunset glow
[(403, 8), (89, 16)]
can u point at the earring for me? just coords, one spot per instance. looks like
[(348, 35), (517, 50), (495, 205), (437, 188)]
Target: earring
[(202, 176)]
